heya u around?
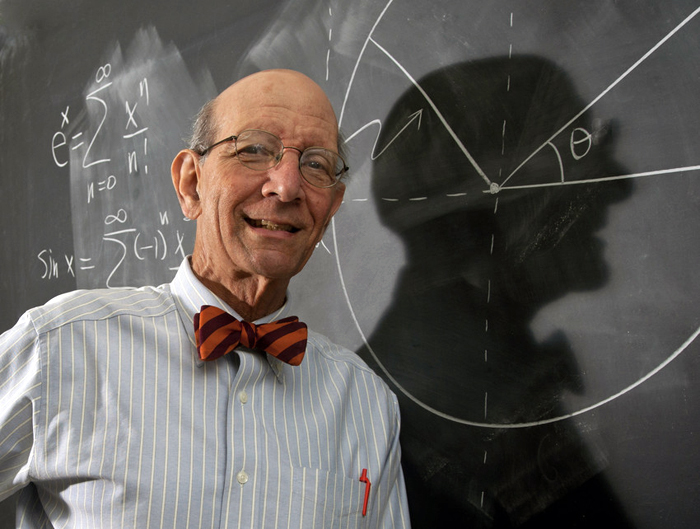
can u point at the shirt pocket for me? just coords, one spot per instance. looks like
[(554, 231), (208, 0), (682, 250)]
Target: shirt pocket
[(324, 500)]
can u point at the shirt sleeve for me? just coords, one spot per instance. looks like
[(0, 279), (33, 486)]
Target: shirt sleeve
[(20, 393), (393, 513)]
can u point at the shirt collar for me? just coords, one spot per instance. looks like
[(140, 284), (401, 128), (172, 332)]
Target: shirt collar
[(190, 294)]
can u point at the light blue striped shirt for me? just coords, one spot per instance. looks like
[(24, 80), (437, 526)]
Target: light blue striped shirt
[(109, 419)]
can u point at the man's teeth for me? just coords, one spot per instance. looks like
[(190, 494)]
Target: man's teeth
[(271, 225)]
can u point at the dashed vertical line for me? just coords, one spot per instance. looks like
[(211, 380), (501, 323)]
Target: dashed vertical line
[(503, 138), (330, 38), (483, 492), (489, 292)]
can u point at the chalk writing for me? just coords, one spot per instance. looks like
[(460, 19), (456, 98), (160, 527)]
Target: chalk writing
[(126, 229), (52, 267)]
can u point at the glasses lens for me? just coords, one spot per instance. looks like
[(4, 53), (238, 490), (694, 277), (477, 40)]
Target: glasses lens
[(320, 166), (258, 149)]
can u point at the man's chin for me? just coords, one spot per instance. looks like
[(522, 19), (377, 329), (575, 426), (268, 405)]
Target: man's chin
[(277, 265)]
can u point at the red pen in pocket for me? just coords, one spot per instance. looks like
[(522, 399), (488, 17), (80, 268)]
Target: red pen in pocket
[(364, 479)]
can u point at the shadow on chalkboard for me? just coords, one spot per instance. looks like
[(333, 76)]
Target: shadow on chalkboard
[(487, 246)]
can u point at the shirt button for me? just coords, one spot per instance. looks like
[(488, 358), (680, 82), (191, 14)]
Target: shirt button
[(242, 477), (243, 397)]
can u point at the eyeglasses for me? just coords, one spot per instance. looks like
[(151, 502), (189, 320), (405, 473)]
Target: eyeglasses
[(261, 150)]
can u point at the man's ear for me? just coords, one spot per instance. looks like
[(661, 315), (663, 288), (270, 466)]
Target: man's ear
[(185, 171)]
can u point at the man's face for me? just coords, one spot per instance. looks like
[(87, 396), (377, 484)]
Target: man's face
[(264, 223)]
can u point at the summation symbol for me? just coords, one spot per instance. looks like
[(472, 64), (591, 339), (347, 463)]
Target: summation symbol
[(141, 247)]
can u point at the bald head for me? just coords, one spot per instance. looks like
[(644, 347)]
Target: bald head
[(277, 87), (268, 90)]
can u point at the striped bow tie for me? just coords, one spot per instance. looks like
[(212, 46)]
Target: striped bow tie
[(218, 333)]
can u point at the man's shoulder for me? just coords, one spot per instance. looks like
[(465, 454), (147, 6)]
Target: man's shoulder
[(343, 358), (101, 304), (331, 351)]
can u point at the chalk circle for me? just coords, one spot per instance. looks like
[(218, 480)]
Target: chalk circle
[(479, 424)]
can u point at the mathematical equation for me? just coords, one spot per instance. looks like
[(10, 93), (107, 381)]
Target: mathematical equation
[(127, 226), (80, 141), (131, 243)]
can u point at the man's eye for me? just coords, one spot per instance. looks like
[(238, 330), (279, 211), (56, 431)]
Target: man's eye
[(256, 150), (318, 164)]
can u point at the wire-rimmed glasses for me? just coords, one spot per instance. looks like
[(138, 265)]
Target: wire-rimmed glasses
[(261, 150)]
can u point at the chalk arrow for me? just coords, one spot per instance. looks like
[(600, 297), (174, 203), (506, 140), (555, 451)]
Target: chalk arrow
[(418, 115)]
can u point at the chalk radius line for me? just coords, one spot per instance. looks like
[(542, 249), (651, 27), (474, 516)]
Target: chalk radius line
[(493, 425), (497, 189), (607, 90), (493, 187)]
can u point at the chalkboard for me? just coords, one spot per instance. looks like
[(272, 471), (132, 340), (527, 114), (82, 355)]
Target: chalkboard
[(516, 253)]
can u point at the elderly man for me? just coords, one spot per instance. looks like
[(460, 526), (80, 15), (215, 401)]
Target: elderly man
[(157, 407)]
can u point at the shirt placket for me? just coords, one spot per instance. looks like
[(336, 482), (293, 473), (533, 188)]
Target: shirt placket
[(241, 461)]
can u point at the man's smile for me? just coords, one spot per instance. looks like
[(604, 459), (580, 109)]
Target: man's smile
[(272, 226)]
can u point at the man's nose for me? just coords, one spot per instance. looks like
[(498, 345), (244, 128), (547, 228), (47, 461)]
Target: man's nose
[(284, 179)]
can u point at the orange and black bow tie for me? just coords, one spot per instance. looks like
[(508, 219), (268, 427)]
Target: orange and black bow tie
[(218, 333)]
